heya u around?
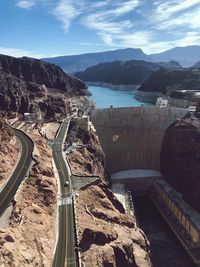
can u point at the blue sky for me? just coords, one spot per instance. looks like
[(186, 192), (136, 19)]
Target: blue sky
[(43, 28)]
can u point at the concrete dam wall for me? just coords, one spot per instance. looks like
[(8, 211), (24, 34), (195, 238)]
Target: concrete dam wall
[(132, 137)]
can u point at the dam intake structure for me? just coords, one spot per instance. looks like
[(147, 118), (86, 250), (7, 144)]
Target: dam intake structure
[(132, 139)]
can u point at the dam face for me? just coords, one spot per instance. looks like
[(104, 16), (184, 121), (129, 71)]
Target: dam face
[(132, 137)]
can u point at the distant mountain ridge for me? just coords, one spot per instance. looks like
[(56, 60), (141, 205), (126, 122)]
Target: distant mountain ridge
[(197, 65), (186, 56), (81, 62), (169, 80), (122, 72)]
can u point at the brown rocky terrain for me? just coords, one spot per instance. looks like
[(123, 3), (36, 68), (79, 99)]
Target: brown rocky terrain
[(180, 158), (88, 158), (108, 237), (30, 237), (9, 150), (30, 85)]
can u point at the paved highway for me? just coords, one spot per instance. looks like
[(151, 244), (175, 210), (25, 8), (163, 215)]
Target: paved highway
[(65, 255), (9, 190)]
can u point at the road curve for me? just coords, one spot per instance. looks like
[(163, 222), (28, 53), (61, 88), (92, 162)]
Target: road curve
[(65, 255), (9, 190)]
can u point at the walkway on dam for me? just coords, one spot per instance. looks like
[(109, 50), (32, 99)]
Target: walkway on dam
[(137, 180), (129, 175)]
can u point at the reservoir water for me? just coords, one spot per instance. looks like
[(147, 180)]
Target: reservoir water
[(105, 97)]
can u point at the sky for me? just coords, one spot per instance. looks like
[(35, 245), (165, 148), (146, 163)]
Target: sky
[(47, 28)]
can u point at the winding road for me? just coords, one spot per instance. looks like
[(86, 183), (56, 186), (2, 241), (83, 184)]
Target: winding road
[(65, 254), (20, 172)]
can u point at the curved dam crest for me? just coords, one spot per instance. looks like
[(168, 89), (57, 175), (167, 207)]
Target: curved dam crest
[(132, 137)]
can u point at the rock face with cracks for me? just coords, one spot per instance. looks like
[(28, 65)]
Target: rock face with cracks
[(9, 150), (108, 236), (88, 158), (180, 158)]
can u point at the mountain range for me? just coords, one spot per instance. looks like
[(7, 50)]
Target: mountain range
[(186, 56), (167, 81), (123, 72)]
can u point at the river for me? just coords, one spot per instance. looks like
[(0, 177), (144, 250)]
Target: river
[(166, 250), (105, 97)]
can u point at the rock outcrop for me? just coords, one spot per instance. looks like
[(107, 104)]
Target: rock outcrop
[(88, 158), (108, 237), (9, 150), (30, 85), (180, 159)]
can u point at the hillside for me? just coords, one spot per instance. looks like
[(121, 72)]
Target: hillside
[(77, 63), (168, 80), (29, 85), (119, 72), (123, 72), (186, 56), (197, 65)]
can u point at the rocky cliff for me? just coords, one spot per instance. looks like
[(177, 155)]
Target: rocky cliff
[(108, 237), (9, 150), (167, 80), (88, 158), (180, 159), (28, 85)]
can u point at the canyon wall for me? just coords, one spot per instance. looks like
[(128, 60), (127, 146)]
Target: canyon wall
[(180, 159)]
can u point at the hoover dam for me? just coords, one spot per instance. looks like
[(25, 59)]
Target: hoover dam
[(132, 137)]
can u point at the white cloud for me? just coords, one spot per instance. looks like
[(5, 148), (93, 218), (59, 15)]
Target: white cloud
[(189, 19), (15, 52), (107, 23), (161, 26), (190, 38), (66, 11), (26, 4), (171, 7), (99, 4)]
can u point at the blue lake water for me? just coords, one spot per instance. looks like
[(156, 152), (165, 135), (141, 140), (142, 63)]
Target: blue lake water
[(105, 97)]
